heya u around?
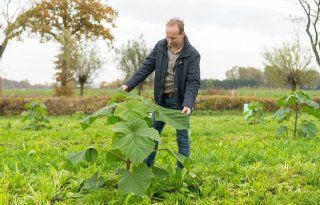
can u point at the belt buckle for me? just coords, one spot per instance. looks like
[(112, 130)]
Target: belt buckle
[(169, 95)]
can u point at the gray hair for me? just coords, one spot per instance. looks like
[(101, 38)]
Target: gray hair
[(178, 22)]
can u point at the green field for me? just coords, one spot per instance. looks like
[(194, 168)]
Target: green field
[(232, 163), (260, 93), (50, 92)]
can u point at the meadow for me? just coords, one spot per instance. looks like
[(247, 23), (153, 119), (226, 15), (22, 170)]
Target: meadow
[(259, 93), (231, 163)]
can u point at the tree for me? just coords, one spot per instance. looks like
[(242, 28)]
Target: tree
[(54, 20), (65, 65), (251, 73), (312, 12), (11, 23), (245, 74), (130, 57), (288, 64), (87, 63), (233, 73)]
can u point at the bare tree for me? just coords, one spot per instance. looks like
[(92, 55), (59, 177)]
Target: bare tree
[(87, 64), (288, 64), (130, 57), (311, 10)]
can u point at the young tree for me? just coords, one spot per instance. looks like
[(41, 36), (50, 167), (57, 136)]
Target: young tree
[(52, 19), (288, 64), (88, 63), (130, 57)]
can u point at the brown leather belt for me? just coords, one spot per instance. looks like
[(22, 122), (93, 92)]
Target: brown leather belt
[(169, 95)]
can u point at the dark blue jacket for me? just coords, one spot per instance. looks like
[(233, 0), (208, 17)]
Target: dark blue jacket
[(186, 73)]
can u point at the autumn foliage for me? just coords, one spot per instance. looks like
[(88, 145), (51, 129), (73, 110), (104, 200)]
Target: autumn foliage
[(67, 22), (82, 18)]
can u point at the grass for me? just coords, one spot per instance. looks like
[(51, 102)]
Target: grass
[(50, 92), (260, 93), (232, 163)]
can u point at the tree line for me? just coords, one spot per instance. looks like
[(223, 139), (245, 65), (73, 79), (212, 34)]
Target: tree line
[(23, 84)]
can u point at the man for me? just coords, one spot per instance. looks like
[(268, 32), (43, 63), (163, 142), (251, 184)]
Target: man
[(177, 79)]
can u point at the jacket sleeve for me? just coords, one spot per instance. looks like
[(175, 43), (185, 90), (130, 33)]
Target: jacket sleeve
[(192, 82), (144, 71)]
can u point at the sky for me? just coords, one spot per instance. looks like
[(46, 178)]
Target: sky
[(226, 33)]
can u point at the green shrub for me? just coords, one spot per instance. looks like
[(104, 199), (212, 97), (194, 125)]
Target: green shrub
[(294, 104), (133, 140), (35, 115), (254, 113)]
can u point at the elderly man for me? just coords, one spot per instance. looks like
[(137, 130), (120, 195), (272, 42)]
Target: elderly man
[(177, 79)]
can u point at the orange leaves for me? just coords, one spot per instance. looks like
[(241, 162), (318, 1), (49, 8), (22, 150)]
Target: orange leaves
[(89, 18)]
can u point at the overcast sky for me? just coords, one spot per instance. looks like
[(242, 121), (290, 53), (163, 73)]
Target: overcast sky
[(225, 32)]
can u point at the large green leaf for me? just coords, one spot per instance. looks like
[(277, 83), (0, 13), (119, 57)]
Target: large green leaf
[(282, 129), (137, 181), (172, 117), (159, 173), (131, 110), (182, 159), (105, 111), (93, 183), (115, 156), (90, 154), (282, 114), (303, 98), (309, 129), (135, 139), (112, 120), (149, 105), (287, 100), (121, 94), (311, 111)]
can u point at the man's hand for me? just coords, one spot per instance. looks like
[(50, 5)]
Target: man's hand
[(124, 87), (187, 110)]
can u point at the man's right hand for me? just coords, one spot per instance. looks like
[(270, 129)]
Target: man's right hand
[(124, 87)]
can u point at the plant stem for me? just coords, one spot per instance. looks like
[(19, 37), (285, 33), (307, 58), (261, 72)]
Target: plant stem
[(128, 163), (296, 120)]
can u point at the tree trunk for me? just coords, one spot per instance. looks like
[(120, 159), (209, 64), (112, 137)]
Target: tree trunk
[(140, 89), (0, 86), (81, 89), (296, 120), (128, 163), (2, 48)]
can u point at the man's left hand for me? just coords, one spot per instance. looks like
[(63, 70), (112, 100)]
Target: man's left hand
[(186, 110)]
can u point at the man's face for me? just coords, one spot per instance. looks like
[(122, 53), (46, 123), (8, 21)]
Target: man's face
[(173, 36)]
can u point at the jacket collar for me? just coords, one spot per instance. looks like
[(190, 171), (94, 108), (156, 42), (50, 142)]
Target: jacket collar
[(185, 52)]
